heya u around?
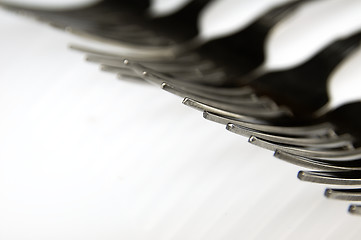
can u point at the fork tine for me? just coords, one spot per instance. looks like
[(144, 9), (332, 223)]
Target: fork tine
[(165, 54), (217, 102), (123, 75), (159, 80), (107, 62), (344, 140), (140, 56), (355, 209), (184, 91), (318, 164), (344, 194), (186, 58), (194, 75), (179, 63), (116, 70), (138, 53), (333, 178), (187, 71), (242, 113), (249, 100), (325, 154), (135, 46), (245, 94), (181, 79), (321, 129)]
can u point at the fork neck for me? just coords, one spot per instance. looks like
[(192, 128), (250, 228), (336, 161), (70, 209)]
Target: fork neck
[(189, 13), (304, 88), (323, 63), (251, 40), (276, 14), (182, 25), (193, 8), (265, 23)]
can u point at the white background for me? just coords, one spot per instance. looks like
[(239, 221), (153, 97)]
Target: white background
[(86, 156)]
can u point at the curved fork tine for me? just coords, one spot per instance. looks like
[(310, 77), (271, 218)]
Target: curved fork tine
[(344, 194), (180, 60), (246, 98), (246, 114), (163, 55), (344, 140), (117, 70), (179, 73), (138, 53), (333, 178), (140, 39), (185, 88), (325, 154), (201, 77), (318, 164), (355, 209), (321, 130), (123, 74), (185, 71), (133, 49), (159, 78), (214, 101), (149, 74), (165, 65)]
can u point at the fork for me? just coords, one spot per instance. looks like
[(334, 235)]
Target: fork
[(125, 23), (228, 58), (300, 88), (329, 142), (220, 64), (300, 139)]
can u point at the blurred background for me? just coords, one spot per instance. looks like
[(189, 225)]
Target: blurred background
[(84, 155)]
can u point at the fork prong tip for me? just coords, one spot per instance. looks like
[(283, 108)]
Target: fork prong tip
[(251, 139), (328, 192), (230, 126), (277, 154), (164, 85), (301, 175), (352, 208), (186, 101), (205, 114)]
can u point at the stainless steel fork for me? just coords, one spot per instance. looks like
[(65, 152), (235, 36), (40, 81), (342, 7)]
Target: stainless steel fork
[(125, 23), (228, 58)]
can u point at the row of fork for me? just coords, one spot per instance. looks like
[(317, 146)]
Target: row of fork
[(284, 111)]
